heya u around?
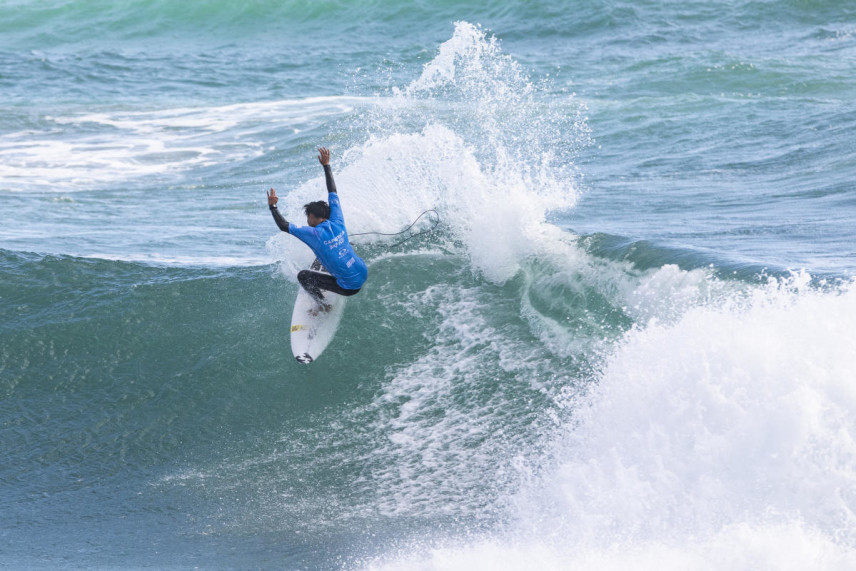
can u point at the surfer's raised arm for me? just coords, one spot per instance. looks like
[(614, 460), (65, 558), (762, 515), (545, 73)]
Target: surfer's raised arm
[(324, 159), (277, 217)]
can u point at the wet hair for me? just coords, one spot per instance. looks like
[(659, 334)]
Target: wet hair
[(319, 209)]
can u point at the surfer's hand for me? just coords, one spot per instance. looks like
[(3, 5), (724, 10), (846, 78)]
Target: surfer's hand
[(272, 197), (324, 156)]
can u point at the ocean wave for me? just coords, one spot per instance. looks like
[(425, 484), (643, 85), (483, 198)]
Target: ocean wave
[(724, 439)]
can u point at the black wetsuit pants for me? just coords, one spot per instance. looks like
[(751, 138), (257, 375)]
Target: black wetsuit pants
[(314, 282)]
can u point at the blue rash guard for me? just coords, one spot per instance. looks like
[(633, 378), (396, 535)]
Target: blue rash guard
[(329, 241)]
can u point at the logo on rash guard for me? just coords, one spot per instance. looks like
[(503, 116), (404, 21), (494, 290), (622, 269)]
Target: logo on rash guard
[(335, 241)]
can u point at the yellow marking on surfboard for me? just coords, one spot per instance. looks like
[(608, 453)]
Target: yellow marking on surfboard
[(297, 328)]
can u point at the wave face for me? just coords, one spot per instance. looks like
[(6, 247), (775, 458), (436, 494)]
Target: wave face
[(628, 341)]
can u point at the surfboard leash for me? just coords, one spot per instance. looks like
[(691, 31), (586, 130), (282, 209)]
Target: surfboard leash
[(412, 224)]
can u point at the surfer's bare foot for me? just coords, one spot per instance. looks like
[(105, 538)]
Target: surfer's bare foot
[(320, 308)]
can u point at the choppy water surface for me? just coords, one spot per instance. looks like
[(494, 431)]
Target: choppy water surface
[(628, 342)]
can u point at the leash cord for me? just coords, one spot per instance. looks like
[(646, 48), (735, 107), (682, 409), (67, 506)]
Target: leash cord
[(412, 224)]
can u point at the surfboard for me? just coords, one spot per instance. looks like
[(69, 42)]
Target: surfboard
[(312, 328)]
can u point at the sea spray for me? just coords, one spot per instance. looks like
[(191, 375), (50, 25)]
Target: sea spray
[(475, 138)]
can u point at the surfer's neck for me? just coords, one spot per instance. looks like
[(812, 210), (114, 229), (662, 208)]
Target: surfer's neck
[(313, 220)]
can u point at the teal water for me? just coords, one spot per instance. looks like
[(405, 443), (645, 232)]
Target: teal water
[(629, 342)]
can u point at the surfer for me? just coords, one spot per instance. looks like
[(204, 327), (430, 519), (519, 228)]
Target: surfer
[(327, 237)]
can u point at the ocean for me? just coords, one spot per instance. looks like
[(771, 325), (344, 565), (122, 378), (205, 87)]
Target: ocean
[(621, 333)]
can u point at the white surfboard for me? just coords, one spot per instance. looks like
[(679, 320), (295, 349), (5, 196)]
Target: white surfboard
[(312, 328)]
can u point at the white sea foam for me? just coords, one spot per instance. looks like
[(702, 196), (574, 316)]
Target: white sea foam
[(183, 261), (446, 425), (93, 150), (791, 547), (725, 440)]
